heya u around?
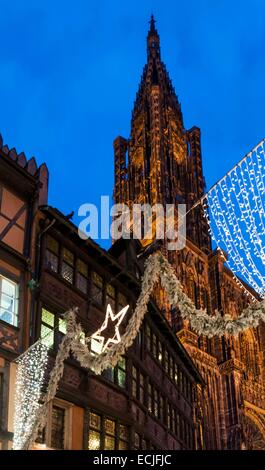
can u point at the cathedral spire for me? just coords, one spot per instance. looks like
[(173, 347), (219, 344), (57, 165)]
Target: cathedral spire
[(152, 25), (153, 42)]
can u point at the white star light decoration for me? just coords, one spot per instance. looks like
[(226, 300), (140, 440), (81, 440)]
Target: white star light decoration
[(114, 318)]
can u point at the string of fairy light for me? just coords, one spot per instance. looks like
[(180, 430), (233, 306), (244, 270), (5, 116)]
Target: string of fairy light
[(29, 381), (234, 209)]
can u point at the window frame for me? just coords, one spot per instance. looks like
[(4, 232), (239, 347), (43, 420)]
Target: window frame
[(15, 313), (57, 332), (102, 430), (68, 421)]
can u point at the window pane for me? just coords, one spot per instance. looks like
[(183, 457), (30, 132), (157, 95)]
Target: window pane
[(110, 295), (81, 283), (121, 378), (68, 256), (136, 441), (62, 326), (52, 245), (123, 432), (57, 434), (109, 374), (96, 294), (82, 268), (67, 272), (110, 291), (123, 445), (110, 427), (47, 336), (47, 317), (109, 443), (148, 337), (8, 288), (8, 301), (97, 279), (94, 421), (94, 440), (52, 261), (122, 363)]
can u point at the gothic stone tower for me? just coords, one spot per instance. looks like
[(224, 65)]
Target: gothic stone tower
[(161, 163), (164, 159)]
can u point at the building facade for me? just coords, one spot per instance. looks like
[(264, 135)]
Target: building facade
[(149, 400), (161, 162), (23, 187)]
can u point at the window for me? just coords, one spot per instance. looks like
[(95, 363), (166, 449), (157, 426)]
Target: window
[(52, 328), (52, 254), (94, 431), (177, 424), (160, 351), (121, 372), (8, 301), (139, 442), (47, 328), (154, 345), (123, 437), (57, 427), (137, 384), (169, 416), (110, 296), (117, 374), (148, 337), (57, 433), (68, 266), (106, 433), (171, 368), (110, 431), (155, 402), (96, 288), (81, 276), (181, 380), (166, 362)]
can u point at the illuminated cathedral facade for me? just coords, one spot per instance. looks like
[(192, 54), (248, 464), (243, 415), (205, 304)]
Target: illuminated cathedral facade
[(161, 162)]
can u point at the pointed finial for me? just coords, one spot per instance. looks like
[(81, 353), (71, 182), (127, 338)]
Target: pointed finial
[(152, 23), (153, 47)]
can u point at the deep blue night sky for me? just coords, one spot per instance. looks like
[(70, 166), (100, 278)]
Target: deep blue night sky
[(69, 72)]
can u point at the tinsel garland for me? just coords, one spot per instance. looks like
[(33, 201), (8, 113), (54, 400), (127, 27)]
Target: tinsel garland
[(157, 267), (200, 321)]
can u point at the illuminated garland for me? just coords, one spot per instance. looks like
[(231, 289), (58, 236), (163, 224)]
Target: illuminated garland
[(234, 208)]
